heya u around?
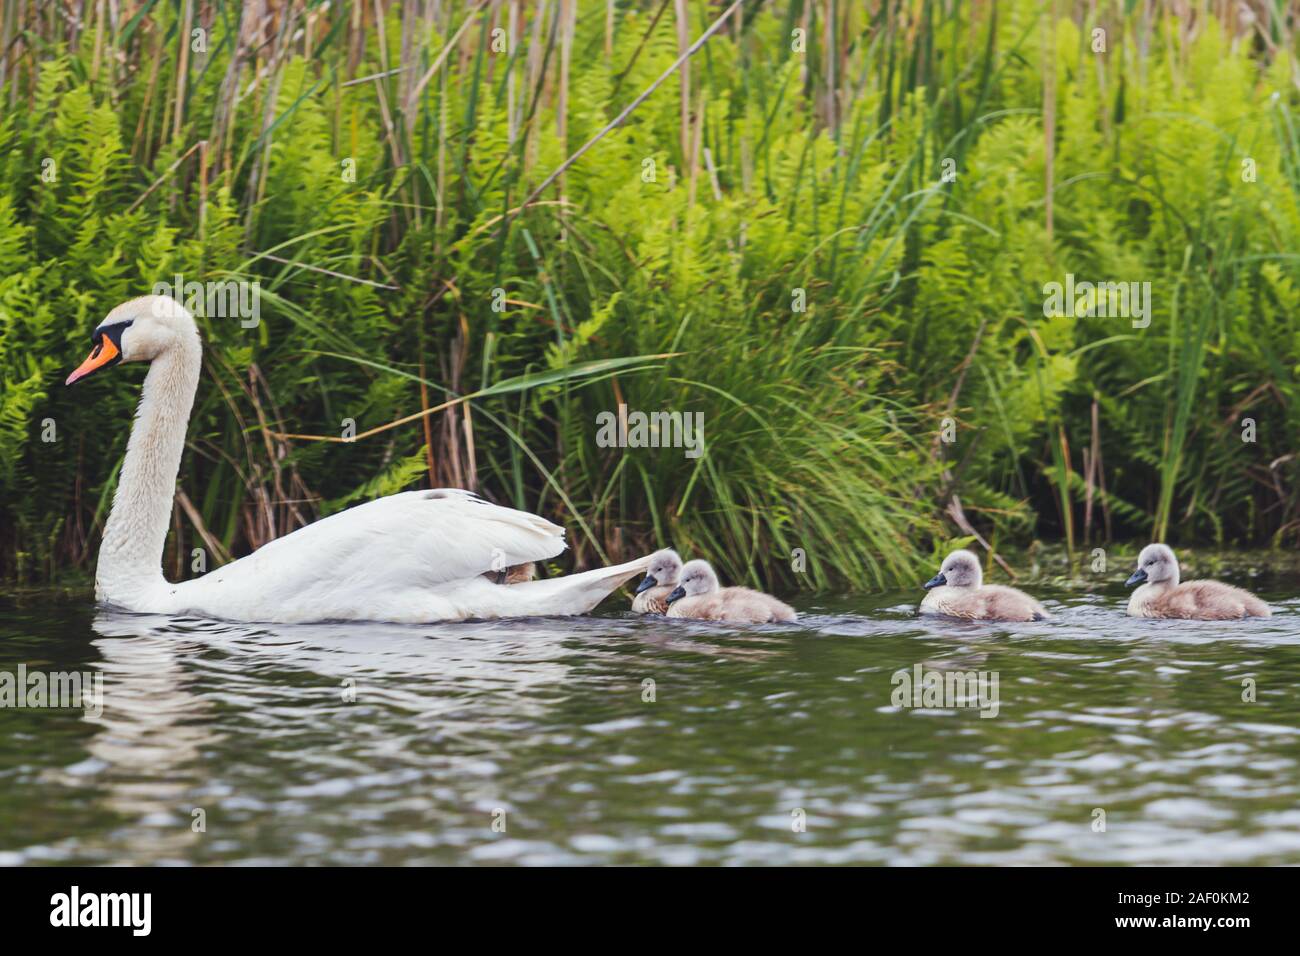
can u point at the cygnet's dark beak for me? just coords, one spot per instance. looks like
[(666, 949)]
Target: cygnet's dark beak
[(1137, 577), (679, 592), (935, 581), (647, 584)]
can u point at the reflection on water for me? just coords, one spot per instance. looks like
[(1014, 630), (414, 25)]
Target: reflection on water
[(623, 739)]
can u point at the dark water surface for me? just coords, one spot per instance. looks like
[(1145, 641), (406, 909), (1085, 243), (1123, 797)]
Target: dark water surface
[(543, 726)]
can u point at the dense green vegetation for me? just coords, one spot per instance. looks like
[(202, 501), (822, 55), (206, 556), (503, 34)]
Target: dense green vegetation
[(827, 242)]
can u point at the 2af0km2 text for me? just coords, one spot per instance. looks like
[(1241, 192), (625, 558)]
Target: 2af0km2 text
[(1192, 897)]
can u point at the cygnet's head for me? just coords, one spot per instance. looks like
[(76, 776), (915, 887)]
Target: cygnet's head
[(961, 569), (664, 568), (697, 578), (138, 331), (1156, 565)]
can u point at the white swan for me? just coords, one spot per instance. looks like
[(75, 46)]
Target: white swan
[(414, 557)]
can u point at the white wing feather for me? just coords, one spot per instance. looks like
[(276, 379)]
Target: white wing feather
[(443, 535), (415, 540)]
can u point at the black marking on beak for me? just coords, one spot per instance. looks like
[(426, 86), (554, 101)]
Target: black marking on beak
[(679, 592), (935, 581), (106, 351), (1137, 577), (647, 584)]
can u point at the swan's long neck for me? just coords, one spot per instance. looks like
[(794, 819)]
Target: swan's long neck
[(130, 557)]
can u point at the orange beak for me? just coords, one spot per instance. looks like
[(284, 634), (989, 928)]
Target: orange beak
[(103, 354)]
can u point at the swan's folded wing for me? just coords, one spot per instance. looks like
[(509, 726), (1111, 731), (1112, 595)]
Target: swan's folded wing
[(416, 539), (1214, 601)]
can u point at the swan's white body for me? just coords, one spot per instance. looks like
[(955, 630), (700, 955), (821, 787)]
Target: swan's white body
[(413, 557)]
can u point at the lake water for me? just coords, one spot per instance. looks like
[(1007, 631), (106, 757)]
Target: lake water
[(540, 742)]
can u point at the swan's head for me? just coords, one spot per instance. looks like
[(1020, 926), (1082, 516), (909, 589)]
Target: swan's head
[(1156, 565), (664, 568), (137, 331), (961, 569), (697, 578)]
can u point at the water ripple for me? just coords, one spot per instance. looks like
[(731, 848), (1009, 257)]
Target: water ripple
[(620, 739)]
